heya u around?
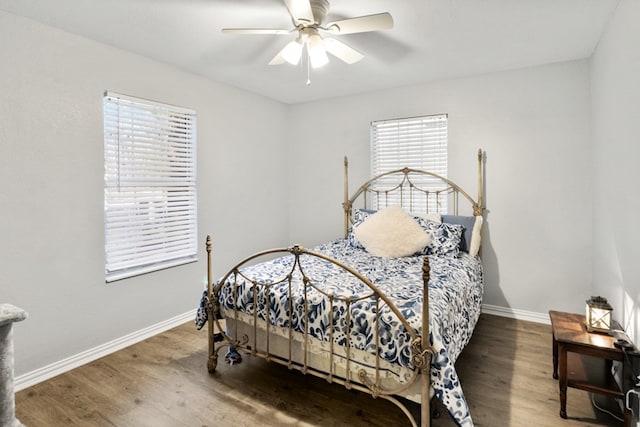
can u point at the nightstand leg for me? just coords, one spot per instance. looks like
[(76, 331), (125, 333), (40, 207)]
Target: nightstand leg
[(562, 353), (555, 356), (627, 418)]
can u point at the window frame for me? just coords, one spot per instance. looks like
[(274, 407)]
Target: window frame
[(419, 142), (150, 186)]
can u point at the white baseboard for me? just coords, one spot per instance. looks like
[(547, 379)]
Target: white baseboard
[(42, 374), (513, 313), (34, 377)]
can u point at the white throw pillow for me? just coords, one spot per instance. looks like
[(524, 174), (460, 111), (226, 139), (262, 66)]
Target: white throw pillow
[(476, 236), (391, 233)]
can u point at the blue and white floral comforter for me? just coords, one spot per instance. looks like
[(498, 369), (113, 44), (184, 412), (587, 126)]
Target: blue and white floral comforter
[(455, 297)]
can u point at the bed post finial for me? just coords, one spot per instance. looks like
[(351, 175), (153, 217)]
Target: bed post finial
[(477, 210), (346, 205), (209, 275)]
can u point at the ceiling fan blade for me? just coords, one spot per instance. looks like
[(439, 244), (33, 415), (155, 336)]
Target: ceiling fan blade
[(291, 53), (277, 60), (255, 31), (342, 51), (300, 11), (361, 24)]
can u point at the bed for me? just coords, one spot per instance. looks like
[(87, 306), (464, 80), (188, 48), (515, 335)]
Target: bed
[(354, 310)]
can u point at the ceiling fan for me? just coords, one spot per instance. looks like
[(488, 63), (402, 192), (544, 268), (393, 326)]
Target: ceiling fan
[(308, 18)]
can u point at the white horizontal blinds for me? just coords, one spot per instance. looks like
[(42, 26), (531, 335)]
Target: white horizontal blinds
[(150, 186), (417, 143)]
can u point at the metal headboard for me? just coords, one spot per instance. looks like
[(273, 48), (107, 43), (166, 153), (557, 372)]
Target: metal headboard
[(405, 187)]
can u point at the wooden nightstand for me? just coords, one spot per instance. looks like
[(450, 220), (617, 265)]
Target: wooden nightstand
[(583, 360)]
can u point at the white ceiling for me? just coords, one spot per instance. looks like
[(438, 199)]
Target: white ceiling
[(431, 39)]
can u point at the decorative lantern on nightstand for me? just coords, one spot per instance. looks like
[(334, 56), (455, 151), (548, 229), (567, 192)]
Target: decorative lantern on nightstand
[(598, 315)]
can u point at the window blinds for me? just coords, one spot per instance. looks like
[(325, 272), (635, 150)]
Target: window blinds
[(417, 143), (149, 186)]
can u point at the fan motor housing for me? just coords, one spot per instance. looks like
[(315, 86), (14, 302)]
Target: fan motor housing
[(319, 9)]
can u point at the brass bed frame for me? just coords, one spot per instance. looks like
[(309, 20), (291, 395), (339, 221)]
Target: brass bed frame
[(336, 364)]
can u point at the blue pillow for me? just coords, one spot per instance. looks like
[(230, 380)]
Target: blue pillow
[(467, 223)]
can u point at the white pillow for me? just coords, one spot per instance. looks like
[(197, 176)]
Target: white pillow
[(476, 235), (391, 233)]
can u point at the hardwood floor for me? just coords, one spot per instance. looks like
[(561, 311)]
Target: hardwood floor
[(505, 372)]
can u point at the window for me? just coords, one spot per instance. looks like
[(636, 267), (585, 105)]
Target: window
[(150, 211), (418, 143)]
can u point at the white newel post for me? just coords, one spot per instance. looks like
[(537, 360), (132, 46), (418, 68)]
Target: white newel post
[(8, 315)]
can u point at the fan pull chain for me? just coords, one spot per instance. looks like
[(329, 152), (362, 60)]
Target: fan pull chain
[(308, 70)]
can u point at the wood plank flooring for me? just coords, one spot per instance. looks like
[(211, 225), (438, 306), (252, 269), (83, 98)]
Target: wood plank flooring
[(505, 373)]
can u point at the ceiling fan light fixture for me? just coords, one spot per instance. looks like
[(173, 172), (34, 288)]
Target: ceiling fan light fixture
[(317, 51), (308, 19), (292, 52)]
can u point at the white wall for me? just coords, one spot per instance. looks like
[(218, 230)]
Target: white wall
[(615, 84), (534, 126), (52, 195)]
